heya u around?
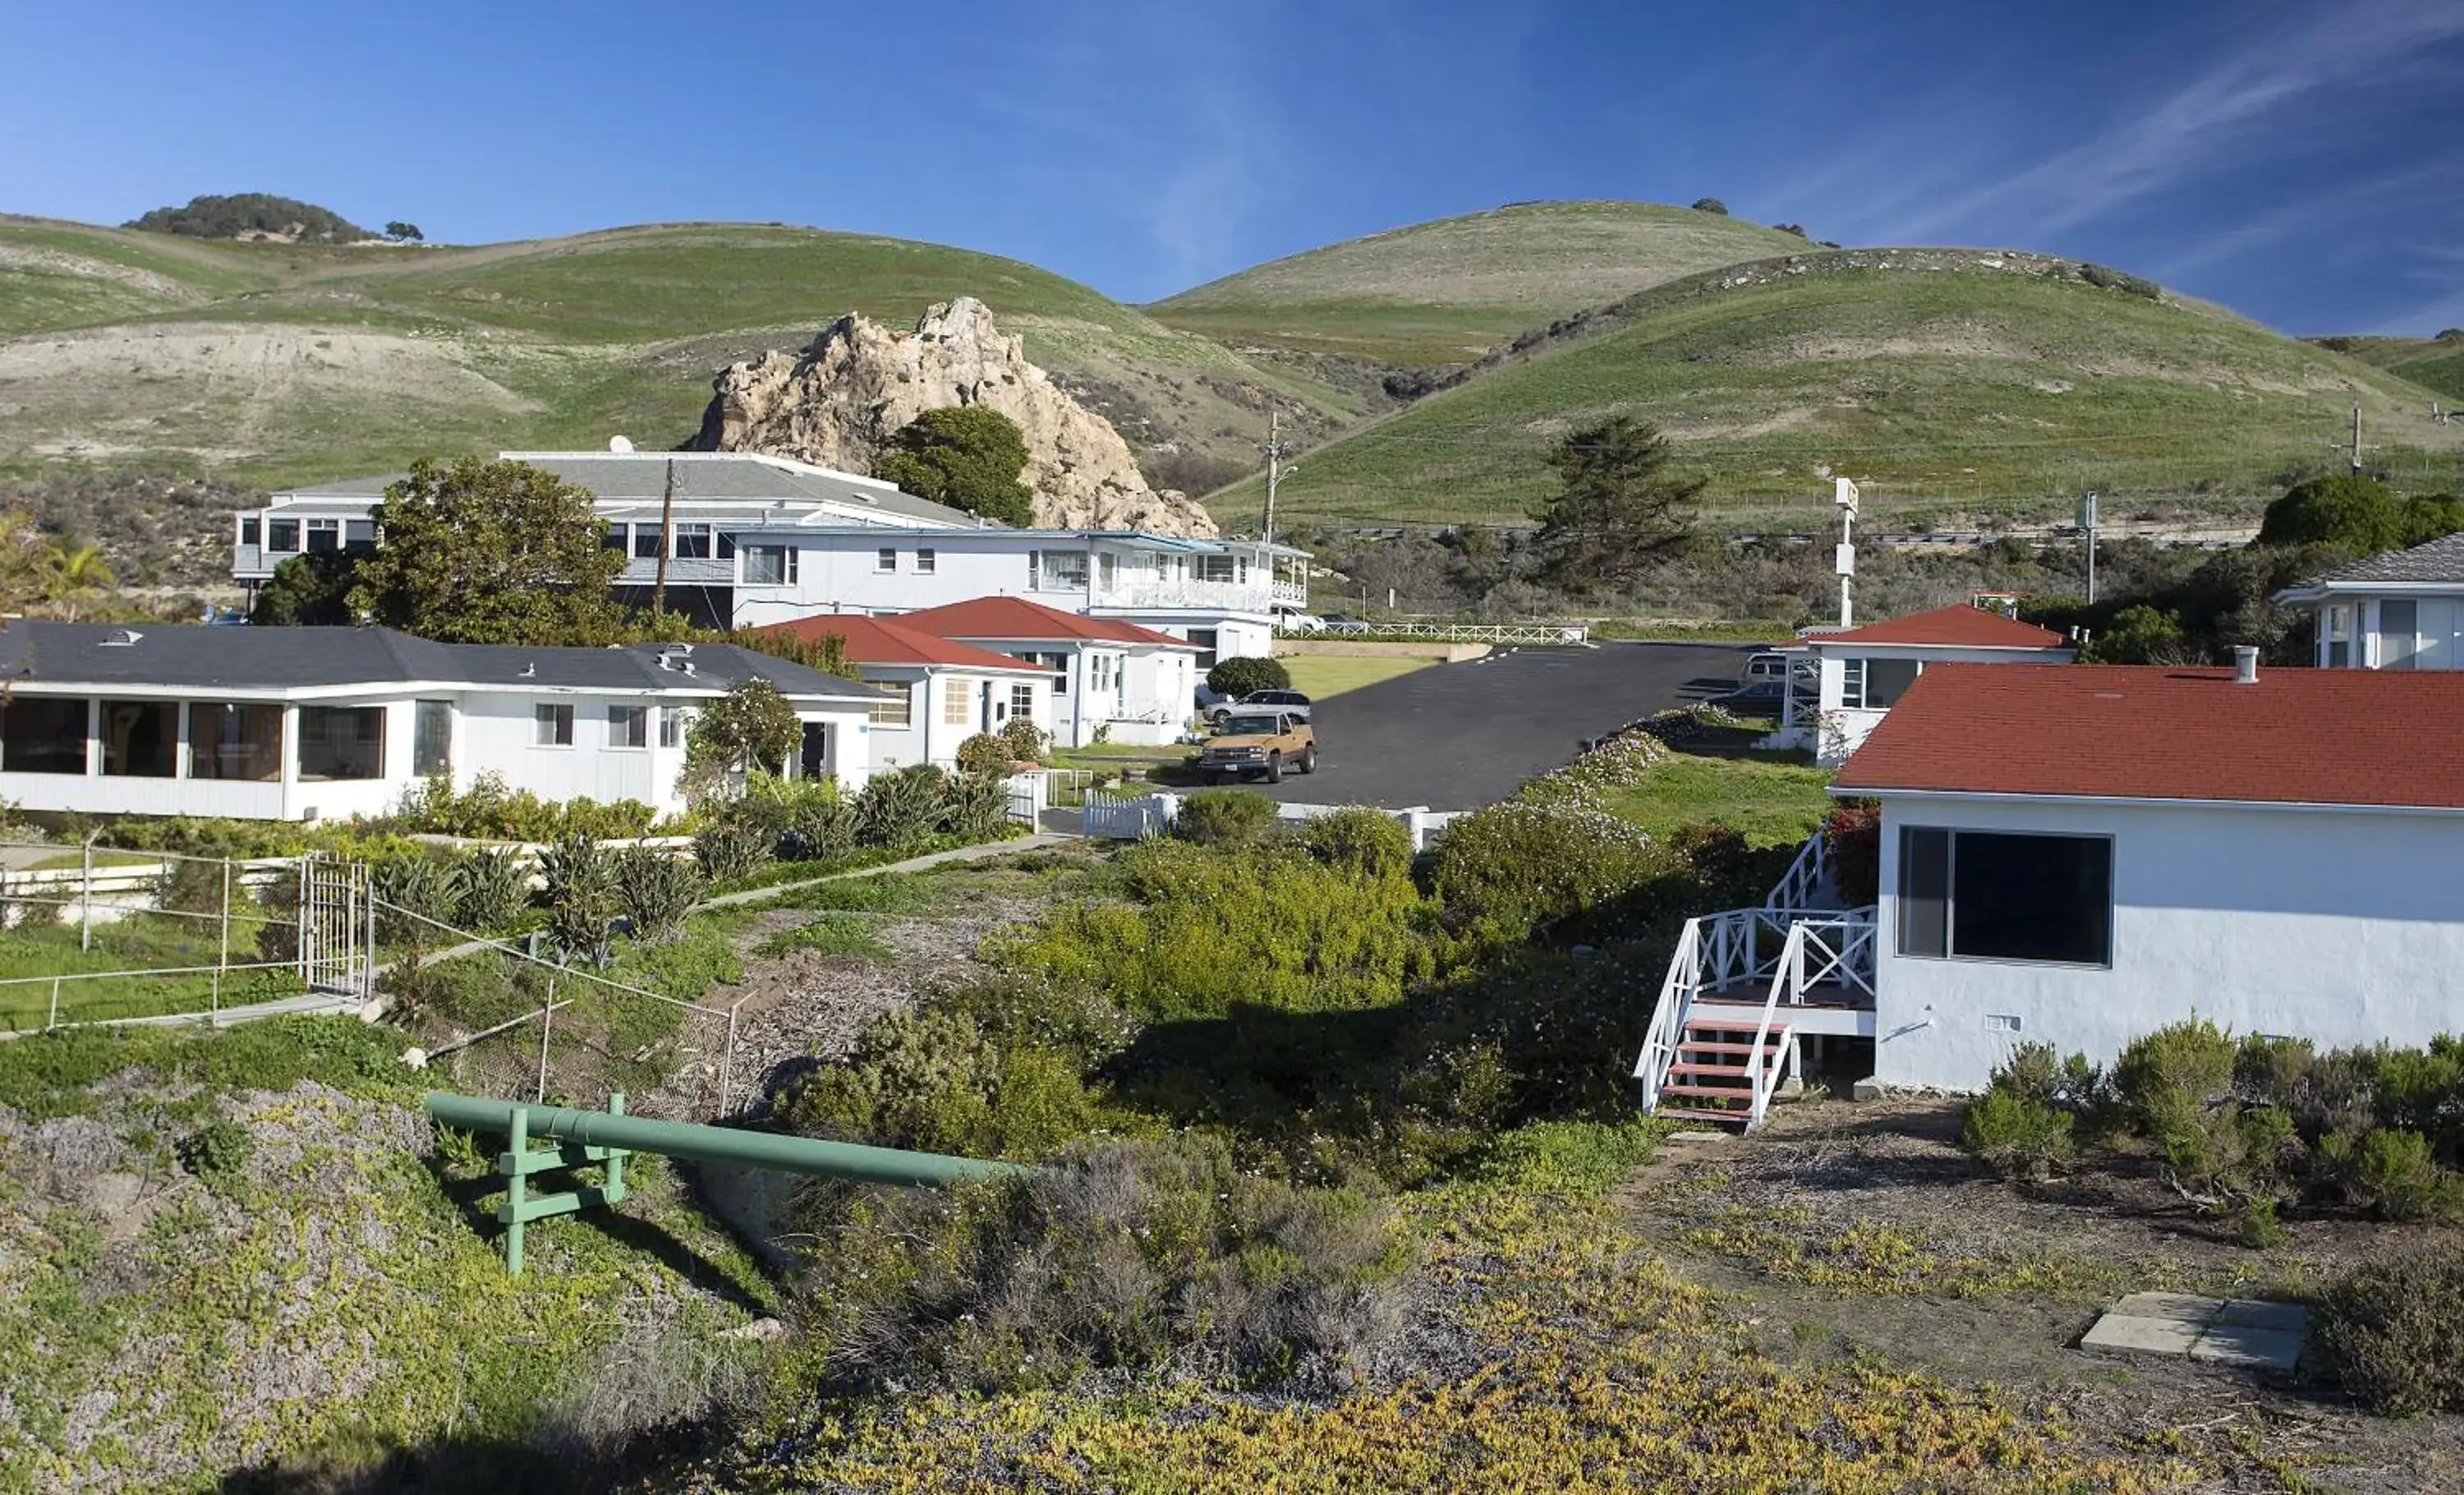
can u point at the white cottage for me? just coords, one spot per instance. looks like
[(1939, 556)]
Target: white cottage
[(1109, 678), (1859, 673), (940, 691), (2078, 856), (2402, 610), (326, 723)]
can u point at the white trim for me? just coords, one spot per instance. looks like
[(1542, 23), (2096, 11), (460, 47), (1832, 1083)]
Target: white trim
[(1844, 791)]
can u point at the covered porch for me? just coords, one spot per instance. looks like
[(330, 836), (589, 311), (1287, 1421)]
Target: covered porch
[(257, 759)]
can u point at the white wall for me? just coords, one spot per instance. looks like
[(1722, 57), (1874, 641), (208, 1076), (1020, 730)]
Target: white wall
[(927, 738), (2339, 927), (1841, 730), (497, 735)]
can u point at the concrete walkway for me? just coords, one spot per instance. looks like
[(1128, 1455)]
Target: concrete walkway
[(322, 1002), (2246, 1332)]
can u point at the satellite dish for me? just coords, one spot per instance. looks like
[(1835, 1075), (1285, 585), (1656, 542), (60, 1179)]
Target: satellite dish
[(620, 444)]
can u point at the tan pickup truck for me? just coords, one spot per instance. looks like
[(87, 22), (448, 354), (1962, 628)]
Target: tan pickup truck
[(1266, 743)]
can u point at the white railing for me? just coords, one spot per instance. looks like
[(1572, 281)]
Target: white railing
[(1677, 993), (1295, 593), (1717, 952), (1127, 817), (1231, 595), (1807, 883), (1456, 633)]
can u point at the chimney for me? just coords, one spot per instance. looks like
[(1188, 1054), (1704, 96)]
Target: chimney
[(2245, 664)]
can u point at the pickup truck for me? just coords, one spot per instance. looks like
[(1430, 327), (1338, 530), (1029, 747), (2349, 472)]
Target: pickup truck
[(1259, 743)]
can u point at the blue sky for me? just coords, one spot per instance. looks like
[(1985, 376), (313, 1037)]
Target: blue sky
[(2302, 162)]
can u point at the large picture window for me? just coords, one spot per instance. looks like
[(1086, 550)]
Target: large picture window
[(342, 742), (43, 737), (234, 741), (2000, 895), (1056, 570), (957, 703), (141, 740), (1876, 684), (769, 565)]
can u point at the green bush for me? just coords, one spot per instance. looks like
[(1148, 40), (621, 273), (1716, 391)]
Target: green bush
[(2394, 1174), (931, 1079), (2180, 1068), (1125, 1257), (2391, 1333), (974, 808), (730, 851), (217, 1153), (1519, 870), (192, 886), (1370, 842), (410, 891), (1246, 673), (1025, 740), (492, 810), (1223, 817), (2018, 1134), (492, 888), (901, 809), (983, 754), (2107, 278), (2423, 1090), (582, 897), (2348, 510), (656, 891)]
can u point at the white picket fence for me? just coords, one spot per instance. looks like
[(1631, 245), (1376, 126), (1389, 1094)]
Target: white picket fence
[(1121, 817)]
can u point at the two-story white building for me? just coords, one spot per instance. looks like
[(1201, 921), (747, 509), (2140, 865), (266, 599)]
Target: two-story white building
[(2400, 611), (301, 724), (751, 540), (939, 691), (1859, 673)]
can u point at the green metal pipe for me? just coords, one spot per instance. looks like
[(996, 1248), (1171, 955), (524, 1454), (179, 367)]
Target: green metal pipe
[(851, 1160)]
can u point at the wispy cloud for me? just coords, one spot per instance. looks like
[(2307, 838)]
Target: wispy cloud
[(2202, 122), (2317, 212)]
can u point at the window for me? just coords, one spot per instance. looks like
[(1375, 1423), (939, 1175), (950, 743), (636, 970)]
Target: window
[(552, 726), (1215, 568), (884, 561), (283, 535), (324, 536), (1876, 684), (925, 560), (1022, 701), (1995, 895), (250, 529), (769, 565), (671, 726), (431, 738), (899, 710), (141, 740), (1056, 570), (1107, 568), (1205, 639), (2399, 634), (2340, 635), (342, 742), (629, 726), (692, 542), (232, 741), (43, 737), (957, 703), (645, 542), (1058, 663), (360, 536), (616, 537), (727, 544)]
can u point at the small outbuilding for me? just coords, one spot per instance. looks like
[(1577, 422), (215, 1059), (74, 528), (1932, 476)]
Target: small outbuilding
[(1859, 673)]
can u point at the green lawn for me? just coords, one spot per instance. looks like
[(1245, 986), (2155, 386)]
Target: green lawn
[(1321, 675), (1774, 804), (138, 942)]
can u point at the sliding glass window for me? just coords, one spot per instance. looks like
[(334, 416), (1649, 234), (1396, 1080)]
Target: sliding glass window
[(229, 740)]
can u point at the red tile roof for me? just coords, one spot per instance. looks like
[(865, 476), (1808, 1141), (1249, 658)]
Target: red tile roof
[(1960, 624), (2296, 736), (1016, 618), (883, 641)]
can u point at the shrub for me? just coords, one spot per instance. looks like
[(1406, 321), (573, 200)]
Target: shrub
[(1368, 842), (2104, 278), (1223, 817), (933, 1080), (2137, 635), (1852, 840), (901, 809), (2346, 510), (2016, 1135), (1518, 871), (2423, 1090), (217, 1153), (818, 830), (491, 809), (728, 849), (1123, 1257), (974, 808), (1710, 204), (2181, 1068), (2391, 1333), (1026, 741), (492, 887), (983, 754), (190, 886), (656, 892), (1244, 673), (582, 897), (2394, 1173), (410, 891)]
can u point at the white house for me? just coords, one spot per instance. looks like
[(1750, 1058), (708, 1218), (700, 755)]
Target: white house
[(751, 540), (1860, 673), (2080, 856), (2402, 610), (1109, 678), (939, 691), (325, 723)]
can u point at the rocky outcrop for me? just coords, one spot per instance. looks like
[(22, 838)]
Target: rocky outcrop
[(840, 401)]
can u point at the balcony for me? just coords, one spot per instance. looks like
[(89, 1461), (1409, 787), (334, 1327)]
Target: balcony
[(644, 571)]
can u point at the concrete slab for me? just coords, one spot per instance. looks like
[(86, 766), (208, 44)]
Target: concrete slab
[(2291, 1318), (2177, 1307), (1701, 1137), (2124, 1334), (2251, 1349)]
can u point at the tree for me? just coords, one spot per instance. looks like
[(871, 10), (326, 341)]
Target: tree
[(485, 552), (827, 653), (1244, 673), (2137, 635), (2348, 510), (2431, 517), (751, 729), (1619, 505), (1796, 229), (1710, 204), (404, 232), (966, 456), (311, 590), (79, 574)]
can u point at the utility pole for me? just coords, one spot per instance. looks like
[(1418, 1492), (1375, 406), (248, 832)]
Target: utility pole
[(666, 530), (2357, 440), (1274, 467), (2087, 522), (1844, 559)]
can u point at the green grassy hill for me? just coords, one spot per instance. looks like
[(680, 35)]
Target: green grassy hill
[(1446, 291), (1955, 385), (281, 363), (2435, 364)]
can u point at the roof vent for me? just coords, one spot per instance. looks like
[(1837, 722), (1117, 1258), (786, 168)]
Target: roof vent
[(677, 656), (2245, 664), (121, 638)]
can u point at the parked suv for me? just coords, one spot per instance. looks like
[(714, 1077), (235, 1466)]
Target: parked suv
[(1291, 703), (1259, 743)]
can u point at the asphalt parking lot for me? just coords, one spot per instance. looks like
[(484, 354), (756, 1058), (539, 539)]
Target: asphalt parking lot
[(1459, 736)]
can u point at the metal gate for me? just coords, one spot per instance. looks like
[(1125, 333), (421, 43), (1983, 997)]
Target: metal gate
[(337, 927)]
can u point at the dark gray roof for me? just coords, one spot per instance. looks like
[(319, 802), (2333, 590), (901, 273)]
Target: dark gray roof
[(2440, 561), (197, 656), (641, 478)]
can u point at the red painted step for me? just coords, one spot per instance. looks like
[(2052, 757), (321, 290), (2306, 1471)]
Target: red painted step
[(1699, 1045), (1720, 1093)]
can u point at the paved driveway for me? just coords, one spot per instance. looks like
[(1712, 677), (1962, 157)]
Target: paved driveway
[(1459, 736)]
